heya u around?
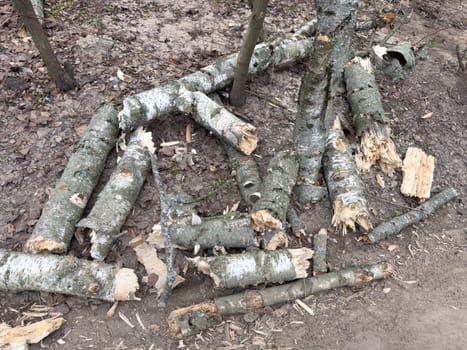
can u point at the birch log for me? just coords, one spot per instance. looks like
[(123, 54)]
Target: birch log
[(116, 200), (320, 243), (214, 117), (370, 122), (56, 225), (66, 275), (255, 267), (422, 212), (157, 103), (192, 319)]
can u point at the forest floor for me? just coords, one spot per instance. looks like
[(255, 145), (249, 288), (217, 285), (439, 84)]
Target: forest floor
[(424, 306)]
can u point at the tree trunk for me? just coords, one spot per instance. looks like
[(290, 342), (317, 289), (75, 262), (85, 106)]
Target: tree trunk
[(63, 80), (237, 94)]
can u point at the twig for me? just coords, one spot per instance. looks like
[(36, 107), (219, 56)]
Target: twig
[(395, 204), (429, 35), (165, 232), (212, 193), (271, 101)]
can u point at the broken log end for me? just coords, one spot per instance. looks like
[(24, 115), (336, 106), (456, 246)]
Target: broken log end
[(263, 219), (39, 245)]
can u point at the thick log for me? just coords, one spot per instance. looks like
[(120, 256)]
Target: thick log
[(180, 320), (309, 133), (370, 122), (270, 211), (255, 24), (116, 200), (320, 243), (422, 212), (417, 173), (255, 267), (159, 102), (66, 275), (214, 117), (56, 225)]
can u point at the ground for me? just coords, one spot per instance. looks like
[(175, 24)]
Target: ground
[(424, 306)]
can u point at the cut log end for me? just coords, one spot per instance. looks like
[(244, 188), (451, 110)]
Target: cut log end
[(263, 219), (417, 174), (175, 316), (248, 141), (300, 260), (377, 148), (126, 285), (349, 216), (40, 245)]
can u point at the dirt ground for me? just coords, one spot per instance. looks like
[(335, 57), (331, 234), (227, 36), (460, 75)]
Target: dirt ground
[(424, 306)]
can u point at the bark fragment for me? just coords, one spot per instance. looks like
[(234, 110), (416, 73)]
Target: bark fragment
[(370, 122), (116, 200), (255, 267), (66, 275), (422, 212), (56, 225), (252, 300), (417, 173)]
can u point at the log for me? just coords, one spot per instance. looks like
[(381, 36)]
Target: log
[(159, 102), (422, 212), (370, 122), (38, 10), (18, 337), (66, 275), (309, 133), (255, 24), (116, 200), (180, 320), (255, 267), (56, 225), (320, 242), (417, 173), (270, 211), (217, 119)]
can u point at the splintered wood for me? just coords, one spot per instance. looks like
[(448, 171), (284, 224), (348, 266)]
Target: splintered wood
[(417, 173)]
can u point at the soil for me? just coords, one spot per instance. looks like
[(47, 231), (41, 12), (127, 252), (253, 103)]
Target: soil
[(424, 306)]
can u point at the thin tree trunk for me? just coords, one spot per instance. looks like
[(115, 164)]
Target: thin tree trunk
[(237, 94), (61, 78)]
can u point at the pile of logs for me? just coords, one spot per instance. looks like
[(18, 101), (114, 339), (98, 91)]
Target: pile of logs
[(320, 163)]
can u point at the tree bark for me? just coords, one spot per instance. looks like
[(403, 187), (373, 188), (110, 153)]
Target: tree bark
[(157, 103), (66, 275), (60, 76), (320, 243), (237, 93), (116, 200), (56, 225)]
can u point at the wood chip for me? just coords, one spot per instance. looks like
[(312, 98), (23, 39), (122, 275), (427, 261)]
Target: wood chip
[(428, 115), (125, 319), (305, 307), (417, 171), (380, 180)]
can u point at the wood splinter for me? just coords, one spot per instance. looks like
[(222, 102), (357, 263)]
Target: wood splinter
[(417, 174), (193, 319)]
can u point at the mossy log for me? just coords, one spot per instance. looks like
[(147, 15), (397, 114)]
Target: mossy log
[(370, 122), (320, 244), (214, 117), (66, 275), (159, 102), (255, 267), (309, 133), (422, 212), (56, 225), (270, 211), (116, 200), (192, 319)]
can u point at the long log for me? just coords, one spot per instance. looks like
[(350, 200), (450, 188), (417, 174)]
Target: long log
[(116, 200), (192, 319), (159, 102), (422, 212), (370, 122), (56, 225), (66, 275), (255, 267)]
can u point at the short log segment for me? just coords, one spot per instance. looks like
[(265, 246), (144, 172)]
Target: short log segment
[(422, 212), (214, 117), (159, 102), (56, 225), (370, 122), (66, 275), (255, 267), (116, 200), (320, 243), (180, 321), (270, 211), (309, 133)]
